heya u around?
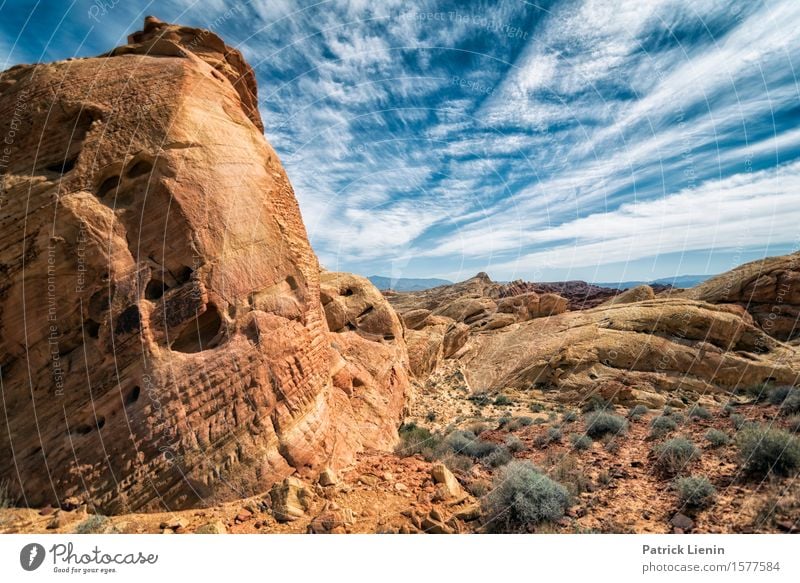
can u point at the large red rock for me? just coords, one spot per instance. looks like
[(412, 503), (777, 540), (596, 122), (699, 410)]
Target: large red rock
[(162, 338)]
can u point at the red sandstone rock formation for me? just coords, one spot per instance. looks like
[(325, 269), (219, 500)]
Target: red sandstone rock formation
[(162, 338)]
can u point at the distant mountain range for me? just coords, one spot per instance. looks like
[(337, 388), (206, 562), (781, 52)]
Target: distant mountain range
[(683, 281), (406, 284)]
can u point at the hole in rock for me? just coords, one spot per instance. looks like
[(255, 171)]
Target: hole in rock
[(141, 168), (347, 292), (133, 395), (183, 275), (63, 166), (101, 421), (154, 289), (91, 328), (82, 429), (201, 333), (108, 186)]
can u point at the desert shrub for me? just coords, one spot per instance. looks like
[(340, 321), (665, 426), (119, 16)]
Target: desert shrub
[(539, 421), (553, 434), (524, 497), (600, 423), (668, 410), (756, 392), (515, 423), (536, 407), (677, 417), (514, 444), (499, 456), (788, 398), (580, 442), (569, 417), (502, 400), (728, 409), (568, 472), (717, 438), (480, 398), (430, 416), (698, 412), (637, 412), (503, 422), (610, 443), (738, 421), (695, 491), (95, 524), (596, 403), (416, 440), (766, 450), (458, 463), (478, 487), (478, 427), (674, 454), (793, 423), (661, 425)]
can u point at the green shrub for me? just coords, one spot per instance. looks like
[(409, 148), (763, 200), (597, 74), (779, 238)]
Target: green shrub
[(514, 423), (499, 456), (480, 398), (766, 450), (788, 398), (600, 423), (637, 412), (514, 444), (596, 403), (569, 417), (522, 498), (738, 421), (695, 491), (502, 400), (661, 426), (95, 524), (698, 412), (717, 438), (580, 442), (458, 463), (416, 440), (674, 454)]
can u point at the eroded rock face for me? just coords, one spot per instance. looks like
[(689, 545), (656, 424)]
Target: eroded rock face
[(769, 289), (162, 338), (648, 352)]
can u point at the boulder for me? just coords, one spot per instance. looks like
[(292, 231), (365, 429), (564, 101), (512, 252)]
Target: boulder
[(444, 477), (290, 499)]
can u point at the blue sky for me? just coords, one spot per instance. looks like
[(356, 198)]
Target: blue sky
[(576, 139)]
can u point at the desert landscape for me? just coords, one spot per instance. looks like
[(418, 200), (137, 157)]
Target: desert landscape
[(176, 360)]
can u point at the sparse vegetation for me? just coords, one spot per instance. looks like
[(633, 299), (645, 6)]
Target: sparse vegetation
[(566, 470), (480, 398), (499, 456), (416, 440), (768, 450), (738, 421), (514, 444), (569, 416), (600, 423), (695, 491), (698, 412), (580, 442), (515, 423), (478, 487), (662, 425), (787, 399), (674, 455), (430, 417), (596, 403), (637, 412), (502, 401), (793, 423), (95, 524), (523, 497), (717, 438), (536, 407)]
